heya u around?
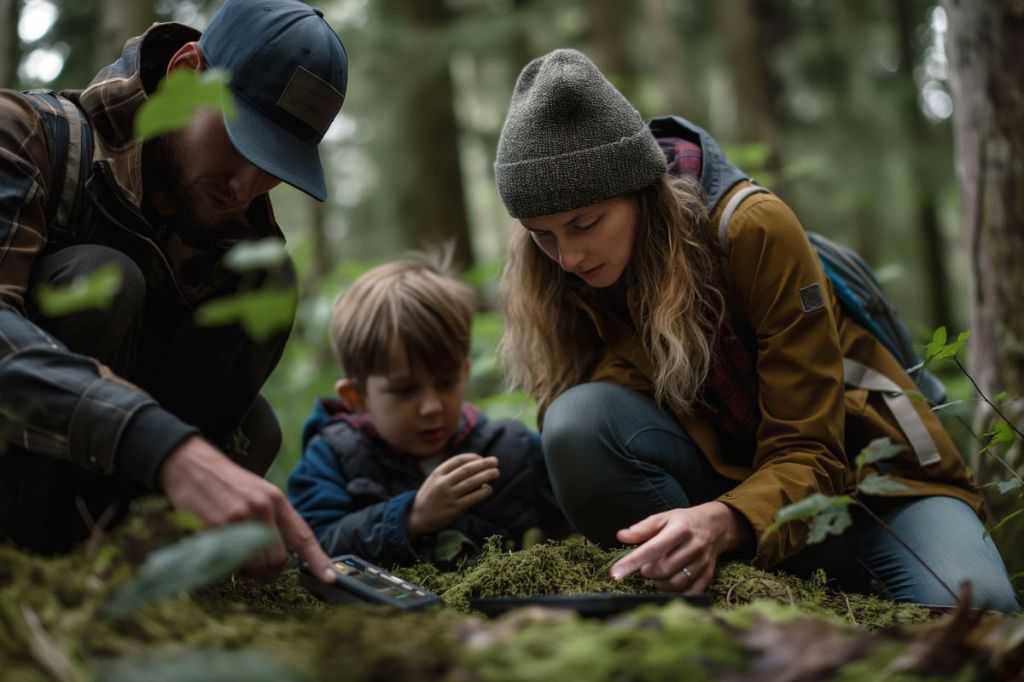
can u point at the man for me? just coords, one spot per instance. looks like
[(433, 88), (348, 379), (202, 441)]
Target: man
[(99, 406)]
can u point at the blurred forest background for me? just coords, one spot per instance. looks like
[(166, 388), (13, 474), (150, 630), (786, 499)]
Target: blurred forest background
[(845, 108)]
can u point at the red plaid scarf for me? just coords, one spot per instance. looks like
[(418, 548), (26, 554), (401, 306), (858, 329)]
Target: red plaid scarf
[(730, 392)]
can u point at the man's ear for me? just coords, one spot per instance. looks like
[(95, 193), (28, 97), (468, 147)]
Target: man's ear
[(189, 55), (348, 390)]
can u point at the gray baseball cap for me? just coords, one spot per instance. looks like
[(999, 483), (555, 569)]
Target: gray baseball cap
[(289, 73)]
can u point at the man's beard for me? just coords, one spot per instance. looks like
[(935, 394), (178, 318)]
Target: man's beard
[(195, 220)]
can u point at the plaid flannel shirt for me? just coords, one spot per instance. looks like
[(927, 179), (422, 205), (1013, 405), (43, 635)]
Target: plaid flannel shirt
[(54, 402)]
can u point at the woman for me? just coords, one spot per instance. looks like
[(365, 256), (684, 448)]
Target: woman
[(689, 392)]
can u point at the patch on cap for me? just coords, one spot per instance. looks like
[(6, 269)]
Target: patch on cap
[(811, 299), (311, 100)]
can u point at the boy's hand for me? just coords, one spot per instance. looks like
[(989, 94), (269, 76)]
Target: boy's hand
[(454, 486)]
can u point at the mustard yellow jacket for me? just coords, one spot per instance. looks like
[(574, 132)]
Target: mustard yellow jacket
[(812, 425)]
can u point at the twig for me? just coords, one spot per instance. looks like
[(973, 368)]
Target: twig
[(44, 650), (907, 547), (849, 610), (96, 528), (985, 398)]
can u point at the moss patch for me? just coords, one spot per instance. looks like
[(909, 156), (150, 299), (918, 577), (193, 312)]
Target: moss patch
[(228, 627)]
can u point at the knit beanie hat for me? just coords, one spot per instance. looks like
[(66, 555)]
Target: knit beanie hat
[(570, 139)]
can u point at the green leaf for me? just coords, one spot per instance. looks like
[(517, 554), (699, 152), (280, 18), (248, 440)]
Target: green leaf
[(954, 403), (193, 562), (1003, 522), (178, 96), (262, 254), (451, 543), (1006, 486), (261, 313), (1000, 397), (937, 343), (810, 507), (94, 291), (1002, 433), (938, 349), (829, 521), (878, 450), (199, 665), (875, 484)]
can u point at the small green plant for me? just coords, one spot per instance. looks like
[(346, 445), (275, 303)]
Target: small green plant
[(830, 515)]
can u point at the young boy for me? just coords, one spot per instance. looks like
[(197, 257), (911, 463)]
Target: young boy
[(400, 458)]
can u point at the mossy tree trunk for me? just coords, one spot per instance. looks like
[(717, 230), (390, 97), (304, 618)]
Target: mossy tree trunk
[(987, 77)]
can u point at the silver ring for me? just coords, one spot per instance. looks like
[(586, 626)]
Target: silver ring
[(688, 574)]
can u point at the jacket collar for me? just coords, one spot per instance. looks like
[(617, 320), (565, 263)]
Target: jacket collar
[(112, 99), (718, 175)]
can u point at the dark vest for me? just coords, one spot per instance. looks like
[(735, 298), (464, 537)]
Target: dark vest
[(373, 476)]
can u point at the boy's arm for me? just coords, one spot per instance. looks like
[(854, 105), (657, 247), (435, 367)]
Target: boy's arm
[(550, 516), (318, 490)]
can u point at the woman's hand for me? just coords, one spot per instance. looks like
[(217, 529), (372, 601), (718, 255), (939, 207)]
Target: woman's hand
[(679, 548), (454, 486)]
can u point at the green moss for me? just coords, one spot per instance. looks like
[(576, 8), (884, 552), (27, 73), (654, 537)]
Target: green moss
[(566, 567), (285, 623), (737, 583)]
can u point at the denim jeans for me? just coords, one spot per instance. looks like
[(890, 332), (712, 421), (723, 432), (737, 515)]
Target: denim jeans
[(615, 458)]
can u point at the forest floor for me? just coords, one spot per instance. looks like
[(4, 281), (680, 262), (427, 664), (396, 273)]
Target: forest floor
[(761, 626)]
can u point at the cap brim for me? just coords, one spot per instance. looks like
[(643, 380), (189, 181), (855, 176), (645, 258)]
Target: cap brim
[(276, 151)]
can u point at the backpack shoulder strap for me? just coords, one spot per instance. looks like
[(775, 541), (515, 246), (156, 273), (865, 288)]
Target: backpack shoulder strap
[(70, 141), (726, 218)]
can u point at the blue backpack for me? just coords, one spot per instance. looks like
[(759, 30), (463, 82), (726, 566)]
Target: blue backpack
[(861, 295)]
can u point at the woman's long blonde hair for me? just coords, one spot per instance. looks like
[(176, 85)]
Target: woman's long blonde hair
[(550, 344)]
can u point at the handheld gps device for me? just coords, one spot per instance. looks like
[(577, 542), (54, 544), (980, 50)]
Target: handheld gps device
[(358, 581)]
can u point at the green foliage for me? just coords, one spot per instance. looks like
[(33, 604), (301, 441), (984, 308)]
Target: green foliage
[(262, 254), (177, 98), (261, 313), (192, 562), (878, 450), (1002, 433), (937, 349), (877, 484), (828, 515), (1007, 486), (94, 291)]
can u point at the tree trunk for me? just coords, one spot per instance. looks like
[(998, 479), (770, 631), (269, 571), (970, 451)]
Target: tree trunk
[(669, 59), (748, 38), (610, 25), (119, 21), (10, 45), (987, 78), (432, 135), (924, 198)]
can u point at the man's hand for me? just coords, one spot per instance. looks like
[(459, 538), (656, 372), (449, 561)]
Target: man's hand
[(454, 486), (681, 546), (198, 478)]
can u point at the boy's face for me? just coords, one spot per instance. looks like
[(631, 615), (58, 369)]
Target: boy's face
[(415, 411)]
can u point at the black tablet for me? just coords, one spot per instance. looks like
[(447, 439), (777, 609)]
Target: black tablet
[(591, 604)]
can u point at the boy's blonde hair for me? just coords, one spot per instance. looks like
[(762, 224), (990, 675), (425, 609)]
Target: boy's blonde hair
[(416, 304)]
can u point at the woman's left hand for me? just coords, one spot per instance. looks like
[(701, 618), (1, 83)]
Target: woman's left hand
[(679, 548)]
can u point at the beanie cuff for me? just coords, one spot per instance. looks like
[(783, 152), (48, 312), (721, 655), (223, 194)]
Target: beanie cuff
[(538, 187)]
